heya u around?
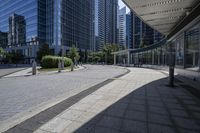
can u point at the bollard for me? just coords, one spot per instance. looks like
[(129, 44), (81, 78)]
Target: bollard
[(62, 64), (72, 66), (34, 70), (59, 66)]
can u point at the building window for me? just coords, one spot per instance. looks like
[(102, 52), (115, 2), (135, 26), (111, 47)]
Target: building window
[(179, 46), (192, 48)]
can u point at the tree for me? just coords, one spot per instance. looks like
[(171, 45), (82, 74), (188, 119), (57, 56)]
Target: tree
[(16, 57), (142, 43), (73, 54), (95, 57), (2, 52), (108, 49), (43, 51)]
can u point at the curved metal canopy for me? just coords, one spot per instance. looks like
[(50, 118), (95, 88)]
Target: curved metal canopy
[(162, 15)]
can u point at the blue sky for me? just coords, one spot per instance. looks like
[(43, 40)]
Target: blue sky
[(121, 4)]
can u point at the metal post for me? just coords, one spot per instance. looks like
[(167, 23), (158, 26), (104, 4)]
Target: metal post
[(171, 76), (152, 57), (72, 66), (128, 59), (199, 49), (59, 66), (34, 70), (159, 53), (171, 66), (114, 59)]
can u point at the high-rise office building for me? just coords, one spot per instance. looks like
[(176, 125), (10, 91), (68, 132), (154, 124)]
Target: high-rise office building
[(76, 21), (107, 22), (122, 27), (92, 26), (17, 30), (96, 28), (128, 31), (142, 35), (29, 12), (3, 39), (59, 23)]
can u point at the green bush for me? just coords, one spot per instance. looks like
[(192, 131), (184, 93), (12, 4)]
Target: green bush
[(52, 61)]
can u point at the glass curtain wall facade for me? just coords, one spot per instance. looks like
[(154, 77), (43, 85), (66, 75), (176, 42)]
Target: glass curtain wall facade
[(185, 51), (17, 30), (25, 8), (3, 39), (76, 23), (107, 22), (25, 23), (122, 28), (128, 31), (59, 23), (142, 33)]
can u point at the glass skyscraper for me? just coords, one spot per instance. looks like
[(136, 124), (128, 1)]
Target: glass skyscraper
[(59, 23), (17, 30), (76, 20), (122, 28), (107, 22), (31, 10), (141, 32), (128, 31), (3, 39)]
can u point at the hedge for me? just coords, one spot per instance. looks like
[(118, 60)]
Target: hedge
[(52, 61)]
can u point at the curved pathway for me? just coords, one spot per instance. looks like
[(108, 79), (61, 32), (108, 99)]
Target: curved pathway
[(21, 96)]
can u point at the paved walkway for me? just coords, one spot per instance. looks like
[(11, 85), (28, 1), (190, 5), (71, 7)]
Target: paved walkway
[(139, 102), (28, 72), (6, 70), (23, 97)]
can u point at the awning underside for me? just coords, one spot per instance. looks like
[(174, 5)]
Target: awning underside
[(162, 15)]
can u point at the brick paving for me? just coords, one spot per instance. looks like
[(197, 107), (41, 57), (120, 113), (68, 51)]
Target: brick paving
[(21, 95), (139, 102)]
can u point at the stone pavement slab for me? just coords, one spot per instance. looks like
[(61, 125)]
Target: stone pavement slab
[(22, 98), (133, 103)]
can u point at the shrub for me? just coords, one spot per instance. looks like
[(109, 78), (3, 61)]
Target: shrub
[(43, 51), (52, 61)]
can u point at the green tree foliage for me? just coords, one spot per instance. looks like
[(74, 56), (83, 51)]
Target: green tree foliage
[(16, 57), (73, 54), (52, 61), (95, 57), (2, 52), (105, 55), (142, 43), (43, 51), (108, 49)]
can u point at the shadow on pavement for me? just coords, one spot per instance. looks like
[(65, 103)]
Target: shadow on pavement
[(153, 108)]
